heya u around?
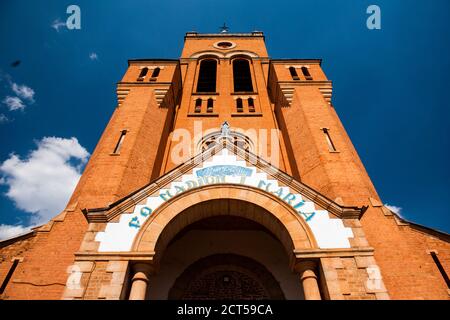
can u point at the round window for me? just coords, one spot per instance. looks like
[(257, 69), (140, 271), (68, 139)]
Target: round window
[(224, 45)]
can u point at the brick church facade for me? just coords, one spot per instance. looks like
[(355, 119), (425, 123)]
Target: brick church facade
[(225, 174)]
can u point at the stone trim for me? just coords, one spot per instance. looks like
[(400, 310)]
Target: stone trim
[(353, 277), (115, 256), (328, 253), (115, 289), (291, 229), (75, 288)]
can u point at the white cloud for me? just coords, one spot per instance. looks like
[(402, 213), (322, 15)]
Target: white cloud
[(23, 92), (58, 24), (3, 118), (8, 231), (395, 209), (42, 183), (14, 103), (93, 56), (24, 95)]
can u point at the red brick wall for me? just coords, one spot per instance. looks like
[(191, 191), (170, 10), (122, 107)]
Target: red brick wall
[(401, 251), (106, 178), (43, 272)]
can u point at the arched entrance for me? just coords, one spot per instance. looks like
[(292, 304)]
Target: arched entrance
[(194, 228), (224, 246), (226, 277)]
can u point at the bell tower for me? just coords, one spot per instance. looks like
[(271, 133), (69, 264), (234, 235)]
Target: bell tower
[(225, 78)]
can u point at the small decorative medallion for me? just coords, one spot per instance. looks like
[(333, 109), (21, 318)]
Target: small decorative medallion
[(224, 45)]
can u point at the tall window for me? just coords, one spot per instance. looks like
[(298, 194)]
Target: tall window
[(155, 72), (441, 268), (239, 105), (251, 105), (119, 142), (330, 143), (241, 76), (142, 74), (9, 275), (209, 105), (294, 74), (207, 76), (198, 105), (306, 73)]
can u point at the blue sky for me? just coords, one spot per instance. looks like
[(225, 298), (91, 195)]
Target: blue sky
[(390, 85)]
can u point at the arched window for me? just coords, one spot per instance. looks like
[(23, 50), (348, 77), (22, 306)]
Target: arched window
[(239, 105), (217, 137), (210, 105), (156, 72), (142, 74), (251, 105), (241, 76), (306, 73), (198, 105), (294, 74), (207, 76)]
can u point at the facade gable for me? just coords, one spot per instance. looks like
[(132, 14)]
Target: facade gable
[(226, 165)]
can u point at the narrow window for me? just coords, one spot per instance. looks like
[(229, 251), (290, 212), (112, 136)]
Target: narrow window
[(251, 105), (306, 73), (142, 74), (198, 105), (155, 72), (441, 268), (9, 275), (239, 142), (241, 76), (331, 146), (210, 105), (294, 74), (119, 142), (236, 143), (209, 144), (207, 76), (239, 105)]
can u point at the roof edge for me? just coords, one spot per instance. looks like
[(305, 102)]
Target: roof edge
[(317, 60), (432, 231), (153, 60), (253, 34), (22, 236)]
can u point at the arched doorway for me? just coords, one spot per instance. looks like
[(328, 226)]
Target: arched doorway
[(224, 257), (237, 220), (226, 277)]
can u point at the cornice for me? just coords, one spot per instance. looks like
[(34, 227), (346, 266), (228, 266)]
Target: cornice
[(196, 35), (293, 60), (142, 84), (114, 256), (306, 83), (163, 61), (328, 253)]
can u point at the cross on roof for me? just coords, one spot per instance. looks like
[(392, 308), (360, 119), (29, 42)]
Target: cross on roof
[(224, 28), (225, 129)]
